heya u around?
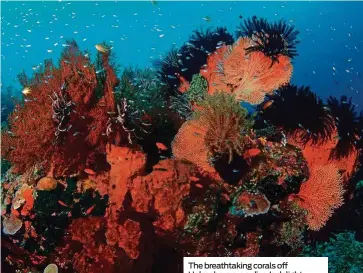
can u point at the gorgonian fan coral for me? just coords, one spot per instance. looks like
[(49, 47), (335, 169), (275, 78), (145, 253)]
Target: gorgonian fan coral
[(321, 195), (346, 120), (61, 120), (31, 129), (299, 111), (250, 77), (189, 144), (226, 122), (320, 154), (272, 39)]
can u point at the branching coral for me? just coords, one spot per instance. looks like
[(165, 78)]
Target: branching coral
[(31, 130), (227, 124), (61, 120), (321, 195), (95, 153), (301, 112), (168, 68), (273, 40)]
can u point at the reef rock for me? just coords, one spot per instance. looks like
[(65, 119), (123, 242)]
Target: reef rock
[(162, 191), (125, 165)]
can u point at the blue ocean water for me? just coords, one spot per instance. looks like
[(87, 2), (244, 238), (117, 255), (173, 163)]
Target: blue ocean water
[(331, 34)]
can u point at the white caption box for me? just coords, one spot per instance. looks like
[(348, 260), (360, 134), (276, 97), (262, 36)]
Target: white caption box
[(256, 265)]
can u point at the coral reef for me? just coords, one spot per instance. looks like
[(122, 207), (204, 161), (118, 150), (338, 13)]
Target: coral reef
[(128, 171)]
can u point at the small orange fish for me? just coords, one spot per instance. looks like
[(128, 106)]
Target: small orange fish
[(89, 171), (199, 186), (267, 104), (62, 203), (88, 211), (252, 152), (194, 179), (161, 146)]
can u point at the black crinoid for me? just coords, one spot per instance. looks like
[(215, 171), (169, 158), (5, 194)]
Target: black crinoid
[(299, 110), (200, 45), (188, 60), (347, 123), (272, 39), (169, 68)]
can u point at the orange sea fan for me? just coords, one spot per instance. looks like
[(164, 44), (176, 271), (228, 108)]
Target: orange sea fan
[(317, 155), (321, 195), (251, 76), (189, 144), (211, 72)]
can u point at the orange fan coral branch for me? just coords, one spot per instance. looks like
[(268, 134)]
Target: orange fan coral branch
[(212, 74), (320, 195), (251, 75), (189, 144), (317, 155), (248, 75)]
